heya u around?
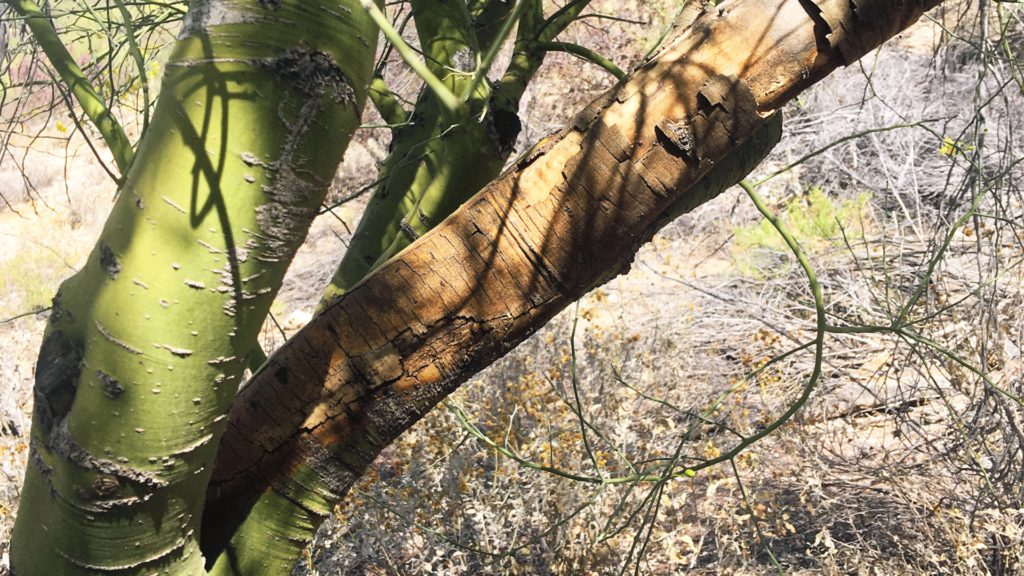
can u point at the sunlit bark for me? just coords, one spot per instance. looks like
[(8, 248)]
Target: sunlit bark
[(146, 345)]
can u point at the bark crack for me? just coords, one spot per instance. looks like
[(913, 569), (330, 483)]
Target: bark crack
[(63, 445), (103, 331)]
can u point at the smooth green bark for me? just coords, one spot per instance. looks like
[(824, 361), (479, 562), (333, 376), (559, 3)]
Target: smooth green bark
[(146, 345)]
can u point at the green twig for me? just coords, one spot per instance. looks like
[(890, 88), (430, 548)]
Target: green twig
[(492, 50), (444, 95), (835, 143), (140, 62), (24, 314), (70, 73), (664, 33), (576, 392), (819, 341), (558, 21), (584, 53)]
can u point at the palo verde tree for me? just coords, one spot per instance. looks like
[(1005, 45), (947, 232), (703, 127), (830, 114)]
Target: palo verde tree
[(146, 458)]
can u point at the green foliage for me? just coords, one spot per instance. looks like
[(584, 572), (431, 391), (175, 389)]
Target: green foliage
[(814, 218), (41, 272), (817, 221)]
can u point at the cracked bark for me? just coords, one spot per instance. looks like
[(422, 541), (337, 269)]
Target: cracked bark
[(568, 216)]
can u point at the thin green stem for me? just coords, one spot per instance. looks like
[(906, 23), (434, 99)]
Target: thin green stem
[(833, 144), (140, 62), (664, 33), (576, 393), (492, 50), (71, 74), (558, 21), (584, 53), (584, 422), (24, 314), (819, 341), (444, 95)]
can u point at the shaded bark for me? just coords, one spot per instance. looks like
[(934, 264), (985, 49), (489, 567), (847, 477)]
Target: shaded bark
[(568, 216)]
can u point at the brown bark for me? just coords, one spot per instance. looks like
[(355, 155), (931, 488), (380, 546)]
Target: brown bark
[(529, 244)]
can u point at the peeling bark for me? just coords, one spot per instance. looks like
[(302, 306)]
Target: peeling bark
[(516, 254)]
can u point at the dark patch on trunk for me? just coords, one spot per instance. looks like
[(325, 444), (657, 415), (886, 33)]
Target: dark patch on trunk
[(57, 311), (45, 470), (423, 217), (111, 387), (409, 231), (503, 127), (272, 5), (311, 72), (108, 261), (57, 372), (281, 374)]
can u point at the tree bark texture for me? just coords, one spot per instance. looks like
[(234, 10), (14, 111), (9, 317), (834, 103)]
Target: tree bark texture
[(569, 215), (146, 346)]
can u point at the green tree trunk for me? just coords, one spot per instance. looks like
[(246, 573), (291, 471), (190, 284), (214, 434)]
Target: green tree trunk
[(146, 345)]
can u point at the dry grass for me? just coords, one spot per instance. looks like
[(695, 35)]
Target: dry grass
[(903, 462)]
